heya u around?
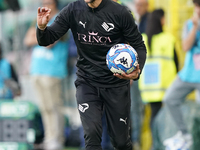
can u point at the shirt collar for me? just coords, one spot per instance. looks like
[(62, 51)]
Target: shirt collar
[(101, 5)]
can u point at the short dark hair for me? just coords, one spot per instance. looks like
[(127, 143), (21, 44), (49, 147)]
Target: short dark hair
[(154, 25), (196, 2)]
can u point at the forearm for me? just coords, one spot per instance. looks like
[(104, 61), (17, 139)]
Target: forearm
[(176, 60), (30, 38), (50, 34), (190, 40), (140, 47), (142, 57), (30, 42), (44, 38)]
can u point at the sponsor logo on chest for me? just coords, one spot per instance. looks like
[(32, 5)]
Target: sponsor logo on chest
[(94, 38)]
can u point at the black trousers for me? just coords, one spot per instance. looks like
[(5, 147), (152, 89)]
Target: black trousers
[(116, 104), (155, 107)]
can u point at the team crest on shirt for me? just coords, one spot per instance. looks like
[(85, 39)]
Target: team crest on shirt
[(108, 26)]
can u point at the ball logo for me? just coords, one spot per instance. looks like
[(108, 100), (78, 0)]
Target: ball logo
[(123, 61), (123, 58), (118, 46)]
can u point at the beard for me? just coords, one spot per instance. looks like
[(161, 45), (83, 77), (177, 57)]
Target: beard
[(89, 1)]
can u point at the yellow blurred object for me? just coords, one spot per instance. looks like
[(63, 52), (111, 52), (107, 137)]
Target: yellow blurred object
[(146, 138), (176, 13)]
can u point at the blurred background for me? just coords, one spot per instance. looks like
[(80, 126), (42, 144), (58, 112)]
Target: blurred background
[(16, 16)]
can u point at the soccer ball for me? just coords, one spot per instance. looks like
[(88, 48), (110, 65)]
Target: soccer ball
[(122, 58)]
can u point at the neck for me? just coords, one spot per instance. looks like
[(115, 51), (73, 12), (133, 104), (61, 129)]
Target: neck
[(94, 4)]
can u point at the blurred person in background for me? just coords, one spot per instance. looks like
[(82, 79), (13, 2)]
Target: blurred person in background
[(162, 64), (141, 10), (9, 83), (48, 69), (188, 78)]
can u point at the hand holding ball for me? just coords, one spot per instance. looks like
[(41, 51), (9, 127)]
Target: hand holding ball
[(122, 58)]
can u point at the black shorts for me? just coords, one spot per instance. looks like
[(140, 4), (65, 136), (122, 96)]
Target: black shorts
[(116, 103)]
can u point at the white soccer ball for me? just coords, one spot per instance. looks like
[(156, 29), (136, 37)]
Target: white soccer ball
[(122, 58)]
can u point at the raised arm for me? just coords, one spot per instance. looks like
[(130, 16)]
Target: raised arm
[(189, 40), (30, 37), (47, 35)]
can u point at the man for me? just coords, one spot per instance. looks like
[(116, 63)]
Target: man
[(141, 8), (48, 69), (188, 78), (96, 27)]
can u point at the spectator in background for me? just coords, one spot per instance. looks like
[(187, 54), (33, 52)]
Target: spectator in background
[(161, 65), (141, 10), (9, 84), (188, 79), (48, 69)]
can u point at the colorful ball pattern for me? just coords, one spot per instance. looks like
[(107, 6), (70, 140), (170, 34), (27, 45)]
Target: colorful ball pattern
[(122, 58)]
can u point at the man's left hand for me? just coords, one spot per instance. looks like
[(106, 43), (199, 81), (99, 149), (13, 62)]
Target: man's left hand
[(132, 75)]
